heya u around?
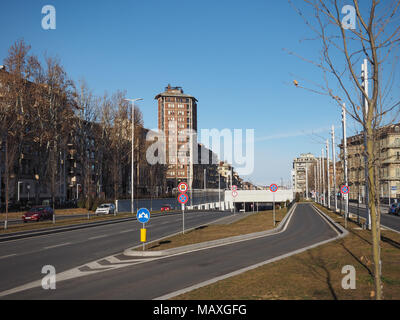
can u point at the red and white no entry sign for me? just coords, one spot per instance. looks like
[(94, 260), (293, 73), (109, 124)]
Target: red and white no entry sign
[(183, 187)]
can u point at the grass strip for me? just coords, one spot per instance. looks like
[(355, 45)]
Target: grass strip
[(315, 274), (260, 221)]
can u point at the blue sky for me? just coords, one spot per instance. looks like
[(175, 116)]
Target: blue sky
[(228, 54)]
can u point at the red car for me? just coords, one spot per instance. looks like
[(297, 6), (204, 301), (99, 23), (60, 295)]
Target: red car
[(38, 213), (166, 207)]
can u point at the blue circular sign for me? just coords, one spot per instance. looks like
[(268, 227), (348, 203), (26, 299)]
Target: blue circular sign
[(143, 215)]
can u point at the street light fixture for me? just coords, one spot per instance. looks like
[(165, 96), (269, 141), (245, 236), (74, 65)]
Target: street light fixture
[(132, 146)]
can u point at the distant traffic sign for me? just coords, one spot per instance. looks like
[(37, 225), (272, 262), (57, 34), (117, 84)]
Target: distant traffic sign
[(143, 215), (183, 198), (234, 188), (183, 187), (234, 193), (344, 189), (273, 187)]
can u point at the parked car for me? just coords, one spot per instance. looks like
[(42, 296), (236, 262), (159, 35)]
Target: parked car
[(38, 213), (166, 207), (105, 208), (394, 208)]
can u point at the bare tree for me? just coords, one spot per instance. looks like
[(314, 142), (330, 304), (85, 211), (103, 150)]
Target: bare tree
[(374, 35), (83, 133), (14, 109)]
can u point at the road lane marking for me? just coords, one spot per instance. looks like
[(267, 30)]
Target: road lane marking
[(10, 255), (125, 231), (57, 245), (98, 237)]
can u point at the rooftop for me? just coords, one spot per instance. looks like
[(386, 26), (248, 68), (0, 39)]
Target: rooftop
[(174, 92)]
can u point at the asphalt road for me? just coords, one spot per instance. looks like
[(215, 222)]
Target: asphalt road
[(21, 261), (387, 220), (161, 276)]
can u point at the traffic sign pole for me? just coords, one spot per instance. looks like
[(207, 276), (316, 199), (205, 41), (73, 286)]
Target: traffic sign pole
[(234, 195), (273, 197), (143, 216), (143, 235), (182, 199), (345, 194), (273, 188), (183, 218)]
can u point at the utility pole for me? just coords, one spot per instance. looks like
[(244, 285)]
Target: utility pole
[(327, 169), (205, 182), (364, 78), (319, 179), (219, 190), (346, 182), (306, 182), (323, 176), (132, 151), (315, 183), (334, 165)]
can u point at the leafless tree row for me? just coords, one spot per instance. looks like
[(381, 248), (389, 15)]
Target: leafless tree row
[(60, 133)]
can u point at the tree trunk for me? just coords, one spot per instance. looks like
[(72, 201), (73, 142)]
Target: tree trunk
[(7, 183), (374, 217)]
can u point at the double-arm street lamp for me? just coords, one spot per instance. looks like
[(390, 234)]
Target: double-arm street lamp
[(133, 146)]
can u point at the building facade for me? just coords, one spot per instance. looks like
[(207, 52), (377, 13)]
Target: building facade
[(306, 160), (177, 117), (387, 155)]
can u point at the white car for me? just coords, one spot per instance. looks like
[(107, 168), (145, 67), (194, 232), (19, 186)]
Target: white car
[(105, 208)]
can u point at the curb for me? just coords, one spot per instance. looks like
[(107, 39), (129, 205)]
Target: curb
[(131, 252)]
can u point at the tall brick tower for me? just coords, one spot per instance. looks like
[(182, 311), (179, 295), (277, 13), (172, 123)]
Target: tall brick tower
[(176, 112)]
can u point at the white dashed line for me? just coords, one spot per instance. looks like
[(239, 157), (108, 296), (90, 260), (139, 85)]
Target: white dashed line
[(98, 237), (10, 255), (57, 245), (125, 231)]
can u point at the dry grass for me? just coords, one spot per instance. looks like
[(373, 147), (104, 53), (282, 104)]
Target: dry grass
[(316, 273), (60, 212), (260, 221)]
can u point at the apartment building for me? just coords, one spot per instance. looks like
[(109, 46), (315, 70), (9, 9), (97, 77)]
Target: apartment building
[(306, 160), (387, 155), (177, 115)]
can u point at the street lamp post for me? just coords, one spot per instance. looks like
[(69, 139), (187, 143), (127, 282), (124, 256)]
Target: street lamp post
[(77, 191), (18, 191), (132, 146)]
